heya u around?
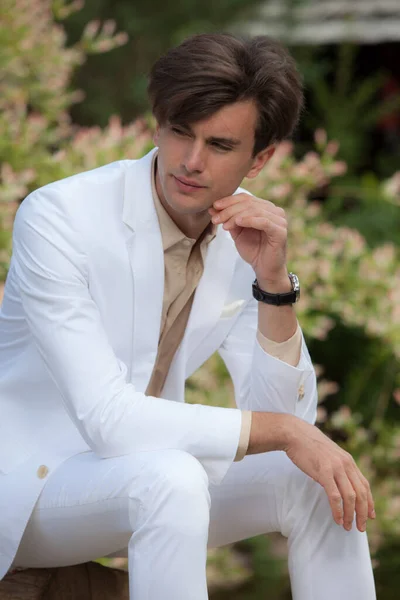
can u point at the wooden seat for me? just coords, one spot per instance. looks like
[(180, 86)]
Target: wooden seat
[(88, 581)]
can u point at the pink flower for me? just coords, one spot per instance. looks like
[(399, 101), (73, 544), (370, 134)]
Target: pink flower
[(338, 168), (320, 137), (332, 148)]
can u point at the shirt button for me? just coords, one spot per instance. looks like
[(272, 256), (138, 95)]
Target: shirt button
[(301, 392), (42, 471), (187, 243)]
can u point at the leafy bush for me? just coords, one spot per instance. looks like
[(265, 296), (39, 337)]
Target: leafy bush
[(342, 277), (38, 141), (350, 307), (348, 105), (116, 83)]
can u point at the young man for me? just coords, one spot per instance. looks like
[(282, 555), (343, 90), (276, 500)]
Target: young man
[(123, 281)]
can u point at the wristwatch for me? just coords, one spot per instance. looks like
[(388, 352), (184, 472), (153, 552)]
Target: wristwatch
[(278, 299)]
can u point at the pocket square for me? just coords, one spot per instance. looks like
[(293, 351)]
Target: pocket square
[(231, 309)]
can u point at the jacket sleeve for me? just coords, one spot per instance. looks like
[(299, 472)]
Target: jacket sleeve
[(111, 415), (265, 383)]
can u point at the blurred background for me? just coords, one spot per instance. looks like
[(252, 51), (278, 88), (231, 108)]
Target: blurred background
[(73, 97)]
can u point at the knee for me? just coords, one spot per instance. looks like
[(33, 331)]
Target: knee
[(181, 473), (176, 490)]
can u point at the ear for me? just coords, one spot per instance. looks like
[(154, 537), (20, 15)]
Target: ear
[(260, 160)]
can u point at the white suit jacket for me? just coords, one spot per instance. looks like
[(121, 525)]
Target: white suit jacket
[(79, 329)]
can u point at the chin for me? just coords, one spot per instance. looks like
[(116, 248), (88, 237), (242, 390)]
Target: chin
[(186, 205), (188, 210)]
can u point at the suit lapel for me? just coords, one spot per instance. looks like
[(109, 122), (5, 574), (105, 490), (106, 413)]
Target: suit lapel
[(146, 257), (210, 297), (144, 244), (212, 291)]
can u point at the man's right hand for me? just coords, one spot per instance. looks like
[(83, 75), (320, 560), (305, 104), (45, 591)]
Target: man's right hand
[(321, 459)]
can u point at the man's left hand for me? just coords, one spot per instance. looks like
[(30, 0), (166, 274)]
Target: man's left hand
[(259, 230)]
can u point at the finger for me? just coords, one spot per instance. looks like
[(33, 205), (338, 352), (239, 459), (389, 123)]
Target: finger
[(358, 479), (257, 208), (235, 231), (370, 499), (371, 503), (222, 216), (334, 497), (249, 212), (261, 223), (234, 220), (364, 501), (237, 198), (349, 497), (361, 503)]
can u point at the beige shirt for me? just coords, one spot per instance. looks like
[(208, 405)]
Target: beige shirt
[(184, 264)]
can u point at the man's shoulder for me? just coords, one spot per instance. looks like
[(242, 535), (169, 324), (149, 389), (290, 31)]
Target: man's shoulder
[(83, 194), (85, 202), (86, 181)]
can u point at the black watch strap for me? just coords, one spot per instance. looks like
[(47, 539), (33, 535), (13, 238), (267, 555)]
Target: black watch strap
[(277, 299)]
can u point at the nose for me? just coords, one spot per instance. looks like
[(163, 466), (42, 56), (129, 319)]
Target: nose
[(194, 160)]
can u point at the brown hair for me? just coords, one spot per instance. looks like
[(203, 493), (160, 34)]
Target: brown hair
[(208, 71)]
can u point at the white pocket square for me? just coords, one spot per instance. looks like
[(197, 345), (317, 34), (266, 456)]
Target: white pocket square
[(231, 309)]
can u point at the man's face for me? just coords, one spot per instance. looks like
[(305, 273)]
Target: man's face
[(200, 163)]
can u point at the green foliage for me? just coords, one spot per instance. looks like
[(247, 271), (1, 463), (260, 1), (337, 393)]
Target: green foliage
[(363, 203), (342, 277), (38, 142), (117, 82), (346, 106), (387, 573), (269, 573)]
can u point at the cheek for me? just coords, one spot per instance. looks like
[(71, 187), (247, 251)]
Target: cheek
[(229, 177)]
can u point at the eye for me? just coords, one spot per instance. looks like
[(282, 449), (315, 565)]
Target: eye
[(221, 147), (178, 131)]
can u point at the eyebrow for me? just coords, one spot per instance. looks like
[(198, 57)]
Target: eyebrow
[(225, 141), (233, 142)]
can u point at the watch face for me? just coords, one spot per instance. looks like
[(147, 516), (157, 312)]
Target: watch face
[(295, 285)]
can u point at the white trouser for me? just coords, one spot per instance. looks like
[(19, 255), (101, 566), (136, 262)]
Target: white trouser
[(157, 506)]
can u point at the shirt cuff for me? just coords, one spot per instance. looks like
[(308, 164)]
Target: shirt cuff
[(288, 351), (244, 435)]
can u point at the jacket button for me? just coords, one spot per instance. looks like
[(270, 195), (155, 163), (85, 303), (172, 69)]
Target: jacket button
[(301, 392), (42, 471)]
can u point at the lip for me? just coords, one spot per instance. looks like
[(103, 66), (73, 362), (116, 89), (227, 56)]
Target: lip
[(188, 183)]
